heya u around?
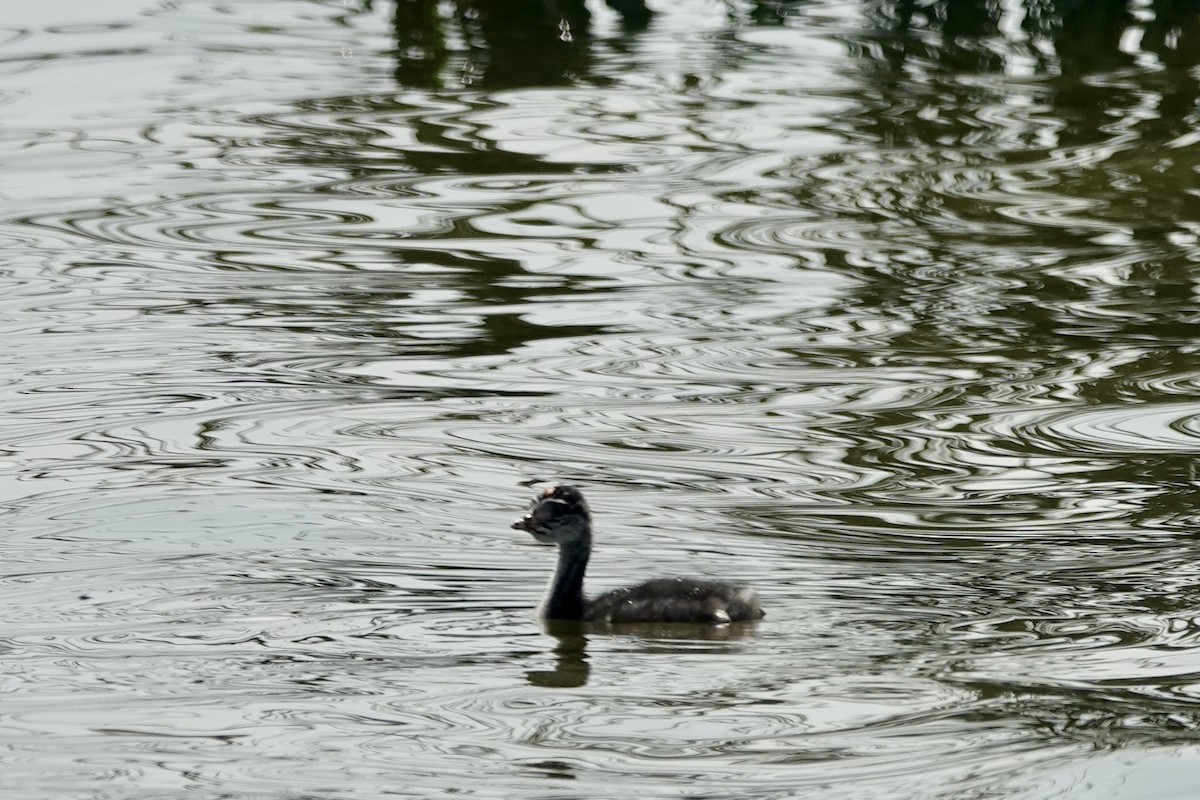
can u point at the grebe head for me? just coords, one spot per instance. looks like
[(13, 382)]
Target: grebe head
[(559, 515)]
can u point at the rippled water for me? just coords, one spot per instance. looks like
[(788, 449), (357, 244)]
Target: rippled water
[(888, 308)]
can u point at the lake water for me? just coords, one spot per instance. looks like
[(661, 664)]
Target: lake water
[(888, 308)]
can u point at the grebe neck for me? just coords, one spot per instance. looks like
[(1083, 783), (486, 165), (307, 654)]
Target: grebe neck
[(564, 599)]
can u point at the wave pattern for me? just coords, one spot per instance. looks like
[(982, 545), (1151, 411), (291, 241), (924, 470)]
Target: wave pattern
[(281, 365)]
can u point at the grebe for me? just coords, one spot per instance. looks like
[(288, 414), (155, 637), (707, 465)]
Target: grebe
[(560, 516)]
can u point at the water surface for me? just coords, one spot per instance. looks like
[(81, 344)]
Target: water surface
[(888, 309)]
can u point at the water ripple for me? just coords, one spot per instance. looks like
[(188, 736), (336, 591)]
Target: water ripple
[(904, 338)]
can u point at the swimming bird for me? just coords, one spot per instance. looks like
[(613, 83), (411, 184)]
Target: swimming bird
[(560, 516)]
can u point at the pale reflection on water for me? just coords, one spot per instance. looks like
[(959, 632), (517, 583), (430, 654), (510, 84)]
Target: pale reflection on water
[(886, 308)]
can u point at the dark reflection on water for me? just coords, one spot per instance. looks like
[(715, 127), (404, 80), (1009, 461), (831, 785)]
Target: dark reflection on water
[(572, 668), (887, 308), (508, 42)]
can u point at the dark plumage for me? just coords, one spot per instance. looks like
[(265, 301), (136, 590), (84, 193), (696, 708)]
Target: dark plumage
[(560, 516)]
